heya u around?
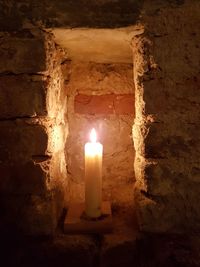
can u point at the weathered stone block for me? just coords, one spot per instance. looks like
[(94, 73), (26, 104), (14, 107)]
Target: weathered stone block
[(118, 255), (170, 100), (169, 58), (22, 55), (63, 249), (27, 178), (21, 95), (176, 212), (39, 217), (106, 14), (119, 247), (160, 178), (19, 141), (105, 104), (31, 214), (157, 217), (29, 51), (41, 186), (172, 140)]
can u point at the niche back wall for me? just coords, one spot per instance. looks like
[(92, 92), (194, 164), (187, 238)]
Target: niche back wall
[(101, 96)]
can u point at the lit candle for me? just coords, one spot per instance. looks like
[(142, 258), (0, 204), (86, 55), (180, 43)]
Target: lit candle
[(93, 176)]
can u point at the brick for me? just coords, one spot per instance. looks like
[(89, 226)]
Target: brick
[(88, 104), (20, 96), (124, 104), (104, 104)]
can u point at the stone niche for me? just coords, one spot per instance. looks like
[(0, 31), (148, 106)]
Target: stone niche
[(100, 92), (142, 96)]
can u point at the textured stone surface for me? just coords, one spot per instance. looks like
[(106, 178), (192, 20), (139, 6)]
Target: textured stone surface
[(102, 13), (21, 96), (33, 182), (28, 171), (20, 141), (168, 250), (104, 104), (157, 250), (19, 53), (74, 250), (119, 247), (104, 83), (26, 178), (166, 128), (124, 247), (166, 131), (31, 214), (20, 56), (96, 14)]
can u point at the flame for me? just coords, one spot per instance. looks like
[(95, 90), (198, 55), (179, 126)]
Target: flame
[(93, 136)]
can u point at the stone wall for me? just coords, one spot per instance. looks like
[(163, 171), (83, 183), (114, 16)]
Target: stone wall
[(166, 130), (69, 14), (32, 132), (101, 96)]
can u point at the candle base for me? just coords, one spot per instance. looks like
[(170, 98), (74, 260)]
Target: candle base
[(77, 222), (84, 216)]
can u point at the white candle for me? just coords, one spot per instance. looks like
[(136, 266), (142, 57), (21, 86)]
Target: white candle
[(93, 177)]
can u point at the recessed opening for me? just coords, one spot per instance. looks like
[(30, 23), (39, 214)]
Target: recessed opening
[(100, 90)]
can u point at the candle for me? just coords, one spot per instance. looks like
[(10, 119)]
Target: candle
[(93, 176)]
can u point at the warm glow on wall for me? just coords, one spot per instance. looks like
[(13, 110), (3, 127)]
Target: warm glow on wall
[(58, 137)]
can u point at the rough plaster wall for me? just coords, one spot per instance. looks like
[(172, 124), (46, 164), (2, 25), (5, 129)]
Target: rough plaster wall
[(166, 130), (32, 136), (101, 82)]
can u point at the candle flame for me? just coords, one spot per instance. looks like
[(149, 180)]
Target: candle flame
[(93, 136)]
